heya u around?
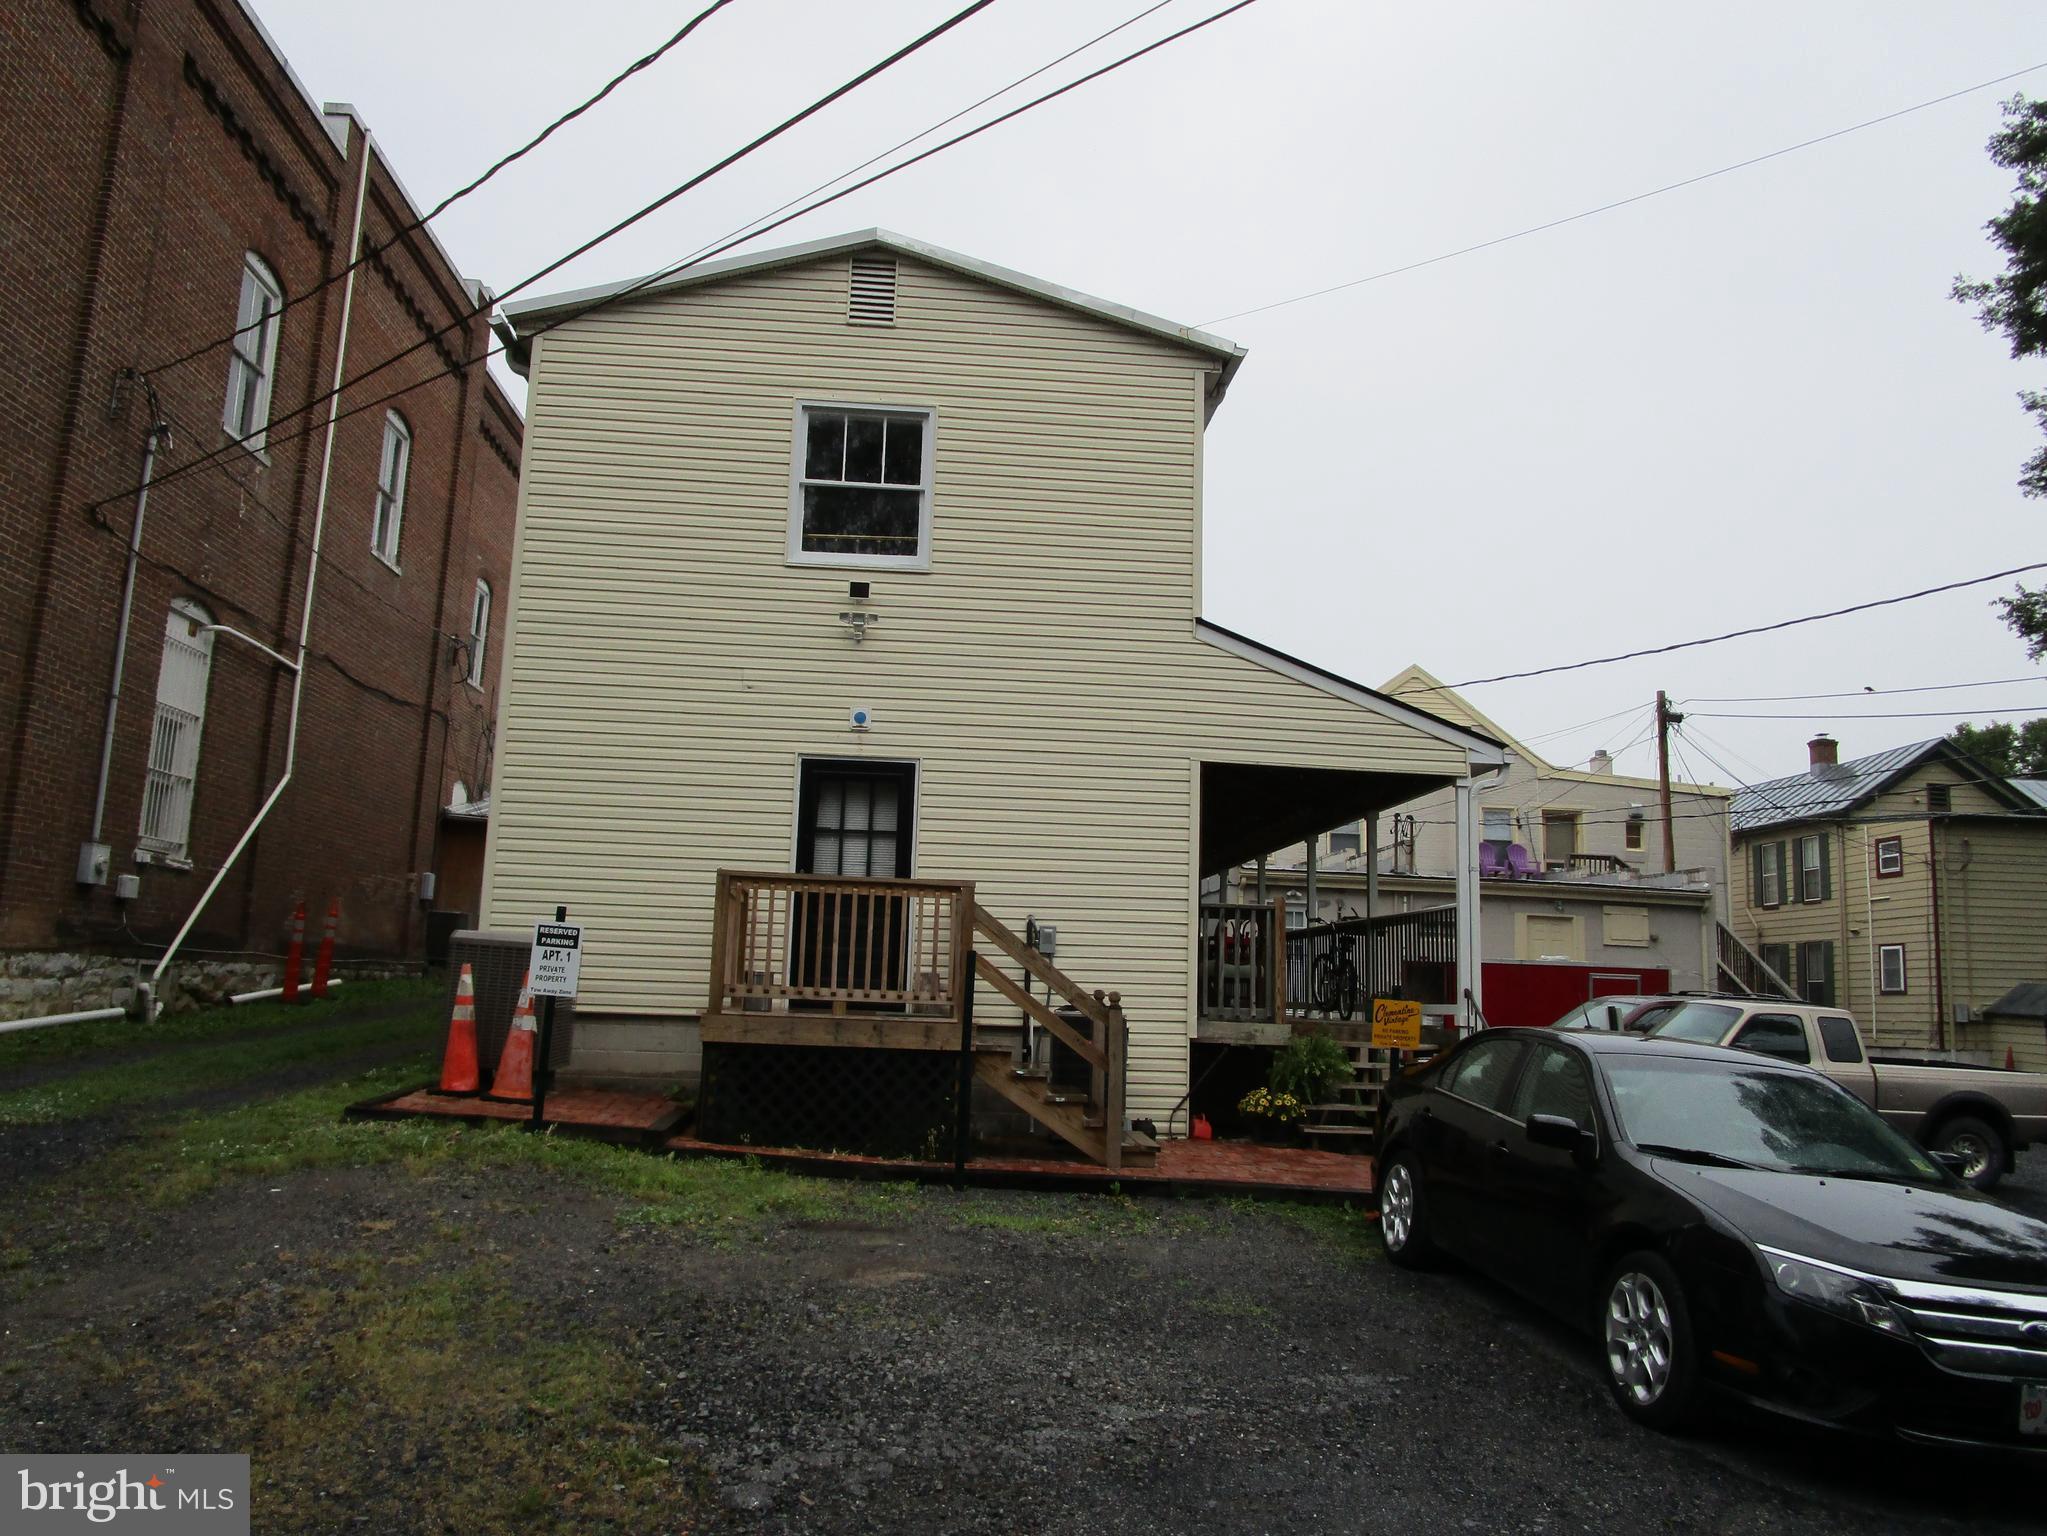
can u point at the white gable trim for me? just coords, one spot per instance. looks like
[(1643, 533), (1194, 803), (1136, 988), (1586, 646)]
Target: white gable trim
[(1479, 754)]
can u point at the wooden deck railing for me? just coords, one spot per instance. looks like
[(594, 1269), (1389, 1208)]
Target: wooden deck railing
[(1745, 970), (839, 945), (1242, 962)]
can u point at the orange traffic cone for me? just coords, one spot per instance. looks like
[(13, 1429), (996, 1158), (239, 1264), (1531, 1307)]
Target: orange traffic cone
[(513, 1080), (459, 1072)]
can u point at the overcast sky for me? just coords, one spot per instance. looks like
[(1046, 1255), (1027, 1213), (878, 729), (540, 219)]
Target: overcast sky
[(1734, 403)]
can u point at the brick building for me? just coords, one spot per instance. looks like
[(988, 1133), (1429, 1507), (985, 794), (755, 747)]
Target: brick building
[(169, 181)]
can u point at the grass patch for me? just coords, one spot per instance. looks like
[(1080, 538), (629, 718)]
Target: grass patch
[(67, 1042), (173, 1074), (1349, 1229), (192, 1154), (419, 1401)]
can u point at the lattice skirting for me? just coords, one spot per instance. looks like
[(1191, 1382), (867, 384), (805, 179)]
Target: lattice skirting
[(881, 1103)]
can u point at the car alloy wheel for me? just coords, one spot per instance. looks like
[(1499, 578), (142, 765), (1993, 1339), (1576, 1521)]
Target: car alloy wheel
[(1640, 1342), (1396, 1208)]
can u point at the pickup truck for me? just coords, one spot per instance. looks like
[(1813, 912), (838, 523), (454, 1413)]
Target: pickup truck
[(1981, 1115)]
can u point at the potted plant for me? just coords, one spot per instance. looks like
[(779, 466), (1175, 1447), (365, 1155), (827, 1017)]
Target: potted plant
[(1274, 1117), (1309, 1067)]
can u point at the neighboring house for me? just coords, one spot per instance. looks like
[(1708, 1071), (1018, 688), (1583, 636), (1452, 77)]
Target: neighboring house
[(1575, 899), (169, 181), (1909, 887), (864, 557)]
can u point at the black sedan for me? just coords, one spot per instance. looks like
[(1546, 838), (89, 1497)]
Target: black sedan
[(1723, 1224)]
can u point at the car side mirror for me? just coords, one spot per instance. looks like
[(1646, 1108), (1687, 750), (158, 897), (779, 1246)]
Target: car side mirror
[(1555, 1131), (1953, 1162)]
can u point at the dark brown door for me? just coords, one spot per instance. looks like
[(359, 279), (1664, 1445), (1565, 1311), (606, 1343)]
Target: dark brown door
[(854, 818)]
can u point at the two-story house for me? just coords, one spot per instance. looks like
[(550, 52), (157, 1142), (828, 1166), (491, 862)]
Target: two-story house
[(1908, 886), (867, 559)]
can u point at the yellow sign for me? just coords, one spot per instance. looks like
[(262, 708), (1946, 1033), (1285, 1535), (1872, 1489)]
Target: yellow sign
[(1396, 1025)]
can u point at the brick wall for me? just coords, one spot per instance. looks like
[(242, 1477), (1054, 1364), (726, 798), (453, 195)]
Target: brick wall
[(154, 143)]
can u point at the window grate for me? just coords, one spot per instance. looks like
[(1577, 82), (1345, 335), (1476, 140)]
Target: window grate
[(871, 291)]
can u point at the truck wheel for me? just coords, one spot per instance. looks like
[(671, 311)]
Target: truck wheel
[(1980, 1146)]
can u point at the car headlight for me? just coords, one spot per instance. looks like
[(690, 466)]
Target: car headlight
[(1839, 1291)]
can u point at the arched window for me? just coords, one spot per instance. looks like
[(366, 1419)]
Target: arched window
[(253, 355), (479, 632), (391, 472), (174, 733)]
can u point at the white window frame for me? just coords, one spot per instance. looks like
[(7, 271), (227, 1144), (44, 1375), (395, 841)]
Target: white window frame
[(1809, 865), (394, 471), (1496, 823), (1895, 848), (1772, 881), (1296, 912), (177, 727), (479, 632), (252, 355), (1885, 953), (1634, 831), (799, 441)]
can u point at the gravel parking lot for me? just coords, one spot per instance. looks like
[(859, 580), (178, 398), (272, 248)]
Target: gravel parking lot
[(428, 1329)]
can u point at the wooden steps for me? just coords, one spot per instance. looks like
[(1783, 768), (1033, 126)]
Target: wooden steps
[(1067, 1113)]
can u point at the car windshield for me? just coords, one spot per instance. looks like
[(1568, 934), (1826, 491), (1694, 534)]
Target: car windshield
[(1705, 1023), (1733, 1115)]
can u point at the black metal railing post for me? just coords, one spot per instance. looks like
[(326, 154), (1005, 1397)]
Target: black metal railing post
[(963, 1112)]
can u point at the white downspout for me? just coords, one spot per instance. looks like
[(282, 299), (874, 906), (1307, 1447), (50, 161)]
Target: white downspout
[(145, 994), (1470, 985)]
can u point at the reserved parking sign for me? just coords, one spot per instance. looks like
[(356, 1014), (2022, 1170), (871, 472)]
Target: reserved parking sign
[(557, 959)]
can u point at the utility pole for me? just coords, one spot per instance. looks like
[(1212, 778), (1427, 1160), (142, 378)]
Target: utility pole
[(1666, 717)]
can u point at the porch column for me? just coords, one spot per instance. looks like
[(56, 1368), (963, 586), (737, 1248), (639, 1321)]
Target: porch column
[(1468, 973), (1371, 866), (1262, 898), (1313, 839)]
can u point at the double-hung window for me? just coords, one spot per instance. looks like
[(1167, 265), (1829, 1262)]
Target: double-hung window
[(253, 354), (479, 632), (861, 492), (181, 676), (1890, 857), (389, 520), (1890, 966), (1811, 882), (1769, 875)]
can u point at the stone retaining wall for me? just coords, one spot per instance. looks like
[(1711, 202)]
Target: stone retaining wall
[(35, 983)]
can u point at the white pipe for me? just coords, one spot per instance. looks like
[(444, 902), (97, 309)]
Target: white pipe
[(157, 428), (267, 993), (10, 1025), (146, 993), (277, 656)]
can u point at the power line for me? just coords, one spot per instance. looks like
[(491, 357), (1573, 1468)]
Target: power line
[(1859, 693), (1673, 186), (1757, 629), (737, 239), (1906, 714), (646, 61), (594, 241), (943, 122)]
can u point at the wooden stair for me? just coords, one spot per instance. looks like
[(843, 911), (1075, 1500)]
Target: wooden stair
[(1084, 1119), (1348, 1118), (1067, 1113)]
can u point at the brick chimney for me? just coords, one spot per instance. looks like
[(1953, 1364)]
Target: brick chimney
[(1826, 752)]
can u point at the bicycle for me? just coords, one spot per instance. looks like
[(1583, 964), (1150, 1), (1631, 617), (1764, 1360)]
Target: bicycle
[(1335, 976)]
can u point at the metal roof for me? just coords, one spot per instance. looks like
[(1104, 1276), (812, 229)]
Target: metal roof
[(2034, 790), (2027, 1000), (527, 317), (1820, 793)]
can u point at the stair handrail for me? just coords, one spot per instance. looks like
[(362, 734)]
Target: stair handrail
[(1106, 1053), (1746, 966)]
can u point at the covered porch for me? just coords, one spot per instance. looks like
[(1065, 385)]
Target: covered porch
[(1257, 980)]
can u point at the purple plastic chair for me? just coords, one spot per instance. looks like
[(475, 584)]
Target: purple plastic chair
[(1492, 862), (1521, 863)]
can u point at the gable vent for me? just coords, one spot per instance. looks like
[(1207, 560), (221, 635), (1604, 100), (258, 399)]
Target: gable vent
[(871, 297)]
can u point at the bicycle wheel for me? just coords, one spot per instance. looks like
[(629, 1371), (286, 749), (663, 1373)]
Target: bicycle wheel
[(1347, 993), (1324, 985)]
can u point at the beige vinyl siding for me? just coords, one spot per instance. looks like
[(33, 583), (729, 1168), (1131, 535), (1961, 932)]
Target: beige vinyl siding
[(668, 668), (1993, 907), (1908, 796)]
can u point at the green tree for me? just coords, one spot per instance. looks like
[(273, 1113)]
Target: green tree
[(2015, 303), (2010, 751)]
